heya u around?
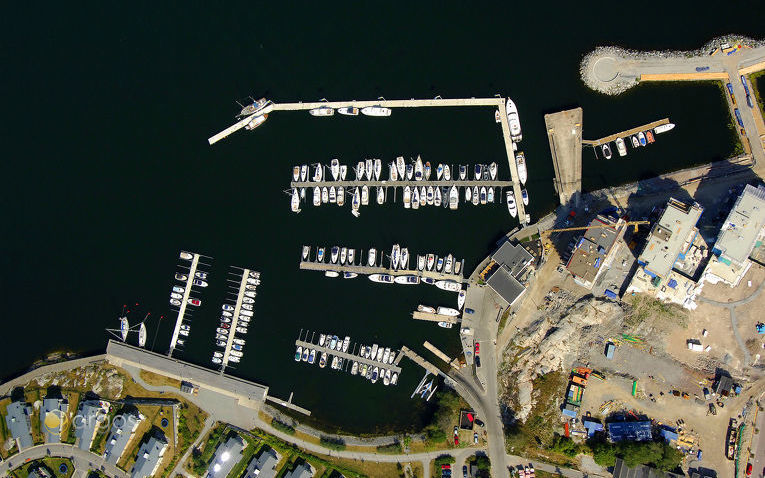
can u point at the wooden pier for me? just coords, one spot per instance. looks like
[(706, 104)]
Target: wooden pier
[(367, 270), (237, 126), (414, 357), (184, 303), (403, 184), (288, 404), (450, 319), (510, 150), (437, 352), (624, 134), (235, 318), (348, 357)]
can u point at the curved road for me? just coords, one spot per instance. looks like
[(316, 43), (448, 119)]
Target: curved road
[(83, 460)]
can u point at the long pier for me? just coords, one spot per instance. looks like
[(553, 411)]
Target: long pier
[(410, 103), (510, 150), (624, 134), (235, 318), (437, 352), (403, 184), (184, 303), (416, 358), (347, 356), (368, 270), (564, 133), (450, 319)]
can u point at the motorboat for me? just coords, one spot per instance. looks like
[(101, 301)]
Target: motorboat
[(485, 176), (649, 136), (311, 356), (429, 195), (511, 207), (606, 151), (404, 261), (332, 195), (355, 368), (237, 347), (376, 111), (346, 343), (373, 352), (380, 352), (386, 380), (663, 128), (448, 285), (221, 337), (493, 171), (348, 111), (228, 307), (200, 275), (356, 200), (318, 173), (490, 194), (439, 171), (340, 196), (476, 196), (218, 354), (525, 197), (334, 363), (426, 308), (335, 251), (306, 353), (392, 171), (250, 287), (447, 173), (333, 342), (359, 171), (457, 266), (246, 306), (322, 111), (244, 319), (395, 256), (426, 171), (306, 252), (351, 256), (372, 257), (338, 343), (246, 313), (322, 338), (407, 279), (234, 359), (181, 277), (635, 142), (415, 198), (463, 172), (448, 311), (219, 343), (440, 264), (420, 263), (343, 255), (407, 197), (225, 320), (401, 167), (483, 195), (381, 278), (513, 121), (194, 302), (461, 299), (394, 378), (253, 281), (386, 354), (378, 169), (454, 198), (239, 341), (323, 360), (363, 370), (241, 330), (468, 194), (199, 283), (332, 274), (216, 361), (446, 325), (375, 374), (324, 195), (255, 122), (431, 260), (176, 295), (477, 173), (418, 169), (423, 196), (182, 327), (320, 255), (236, 353), (380, 195), (448, 264), (392, 356), (641, 138), (364, 195), (295, 173), (621, 147), (350, 275), (304, 173), (222, 330), (437, 196), (343, 172), (186, 256), (409, 171), (316, 196), (369, 165), (520, 163), (248, 300)]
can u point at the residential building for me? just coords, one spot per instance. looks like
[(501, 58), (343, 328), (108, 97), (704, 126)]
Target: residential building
[(740, 234), (303, 470), (227, 455), (264, 466), (18, 419), (123, 430), (91, 416), (595, 250), (149, 457), (39, 471), (52, 416), (506, 271), (640, 471), (629, 431)]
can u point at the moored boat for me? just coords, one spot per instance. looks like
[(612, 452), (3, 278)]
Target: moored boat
[(316, 195), (348, 111), (372, 257), (255, 122), (476, 197), (380, 195), (420, 263), (407, 197), (334, 168), (448, 311), (418, 169), (323, 360), (340, 196), (431, 261), (511, 207), (426, 308), (437, 196), (520, 162), (426, 171), (395, 256), (335, 252), (478, 172), (343, 254), (463, 172), (295, 201), (364, 195), (621, 148), (181, 277), (376, 111), (332, 274), (401, 167), (448, 285), (453, 198), (324, 195), (304, 172), (663, 128), (513, 121), (407, 279), (448, 264), (447, 173), (490, 194), (369, 165), (493, 171), (525, 197), (322, 111), (298, 353), (606, 151), (649, 136), (351, 256), (377, 169), (320, 255), (350, 275), (404, 261), (461, 299), (635, 142), (440, 264), (641, 138), (381, 278), (483, 195)]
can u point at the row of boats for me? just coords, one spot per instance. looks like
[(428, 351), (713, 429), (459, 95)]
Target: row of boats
[(375, 363), (233, 321), (375, 110), (399, 259), (513, 120), (181, 292), (639, 140)]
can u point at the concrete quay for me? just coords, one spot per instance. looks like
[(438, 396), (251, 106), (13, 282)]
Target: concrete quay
[(184, 303), (564, 133), (624, 134), (416, 358), (367, 270), (347, 357)]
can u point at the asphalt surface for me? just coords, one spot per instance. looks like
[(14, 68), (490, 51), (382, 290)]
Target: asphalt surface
[(83, 461)]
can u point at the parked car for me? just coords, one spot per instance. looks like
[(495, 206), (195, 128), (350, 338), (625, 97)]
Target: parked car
[(477, 348), (478, 422), (477, 361), (464, 471), (475, 438), (469, 310), (748, 469)]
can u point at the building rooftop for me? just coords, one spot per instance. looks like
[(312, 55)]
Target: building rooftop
[(17, 417), (630, 431), (514, 257), (598, 240), (743, 226), (640, 471), (263, 466), (149, 456), (51, 415), (91, 413), (303, 470), (504, 284), (670, 237), (123, 427), (227, 455)]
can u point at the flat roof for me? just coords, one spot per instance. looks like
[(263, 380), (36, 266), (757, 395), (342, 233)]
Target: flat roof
[(631, 431), (587, 258), (506, 285), (669, 237), (512, 256), (742, 227)]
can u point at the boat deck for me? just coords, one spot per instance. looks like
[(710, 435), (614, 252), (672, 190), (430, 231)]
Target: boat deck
[(347, 357), (624, 134), (235, 318), (184, 303), (368, 270), (435, 317)]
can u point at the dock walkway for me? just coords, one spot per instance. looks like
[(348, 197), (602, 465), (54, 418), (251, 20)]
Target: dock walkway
[(235, 318), (403, 184), (411, 103), (416, 358), (347, 356), (184, 303), (564, 133), (450, 319), (368, 270), (510, 150), (624, 134)]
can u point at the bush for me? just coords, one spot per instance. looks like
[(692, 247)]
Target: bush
[(435, 433), (444, 460), (332, 443), (565, 445), (657, 454), (482, 462), (283, 427)]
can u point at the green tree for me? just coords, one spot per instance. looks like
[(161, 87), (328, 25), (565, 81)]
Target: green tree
[(565, 445)]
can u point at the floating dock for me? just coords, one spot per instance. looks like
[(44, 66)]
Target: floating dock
[(450, 319), (184, 303), (624, 134), (368, 270), (414, 357), (564, 133), (437, 352), (510, 150), (235, 318), (348, 357), (403, 184)]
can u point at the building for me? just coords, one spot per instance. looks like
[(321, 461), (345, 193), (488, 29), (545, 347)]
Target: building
[(227, 455), (303, 470), (149, 457), (264, 466), (123, 429), (52, 418), (595, 250), (630, 431), (507, 270), (39, 471), (86, 423), (640, 471), (18, 419), (592, 426), (724, 385), (740, 234)]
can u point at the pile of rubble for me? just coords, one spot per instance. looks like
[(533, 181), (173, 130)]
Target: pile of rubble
[(105, 382)]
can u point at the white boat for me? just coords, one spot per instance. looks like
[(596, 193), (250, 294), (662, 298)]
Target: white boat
[(364, 195), (401, 167), (621, 148), (331, 274), (194, 302), (249, 293), (311, 356), (448, 285), (343, 172), (375, 374), (255, 122), (446, 325), (335, 252), (369, 165), (246, 313), (423, 196), (246, 307), (525, 197), (372, 257), (373, 352), (478, 172), (380, 195), (316, 195), (431, 261), (322, 111), (415, 198), (236, 353), (351, 256), (511, 207), (407, 280), (520, 162), (334, 169), (476, 197), (426, 308), (227, 307), (380, 353), (322, 338), (241, 330), (386, 380), (216, 361), (641, 138), (348, 111), (437, 196), (324, 195), (178, 289), (448, 264), (248, 300), (343, 255), (490, 194), (318, 173), (124, 327), (320, 255), (332, 341), (360, 171), (349, 275), (381, 278), (635, 142), (394, 378), (142, 335), (346, 343), (420, 263), (363, 370), (663, 128), (304, 172), (457, 266), (377, 169), (392, 171), (181, 277), (340, 196), (332, 194), (376, 111), (483, 195), (439, 264), (295, 173), (295, 203), (409, 171), (334, 363), (606, 151), (395, 256), (239, 341), (447, 173), (356, 200), (426, 170), (461, 299), (418, 169), (200, 275), (407, 197), (186, 256), (355, 368), (513, 121), (323, 360), (404, 262), (430, 195), (448, 311), (463, 172), (493, 171), (386, 354), (439, 171), (468, 194), (454, 198)]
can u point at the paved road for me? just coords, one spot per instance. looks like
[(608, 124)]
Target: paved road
[(22, 380), (179, 470), (83, 460)]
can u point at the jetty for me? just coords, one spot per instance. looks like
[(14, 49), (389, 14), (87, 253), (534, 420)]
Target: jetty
[(437, 352), (368, 270), (348, 357), (184, 303), (416, 358), (235, 318), (449, 319), (510, 150), (624, 134), (402, 184), (288, 404), (564, 133)]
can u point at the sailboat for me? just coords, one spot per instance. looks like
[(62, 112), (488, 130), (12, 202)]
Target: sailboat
[(124, 327), (360, 171), (439, 171), (437, 196), (380, 195), (453, 198), (343, 172), (407, 197), (142, 335), (401, 167), (392, 171), (334, 168), (447, 173), (304, 173), (364, 195), (369, 165), (463, 172), (418, 169), (426, 171), (416, 198), (493, 171), (295, 204), (340, 196), (377, 169), (316, 195)]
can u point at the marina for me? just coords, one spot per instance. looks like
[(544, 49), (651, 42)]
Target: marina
[(189, 278), (234, 327)]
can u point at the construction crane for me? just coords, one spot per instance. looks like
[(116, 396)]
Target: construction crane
[(635, 224)]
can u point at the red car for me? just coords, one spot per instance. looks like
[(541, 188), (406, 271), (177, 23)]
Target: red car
[(456, 440), (477, 348), (749, 469)]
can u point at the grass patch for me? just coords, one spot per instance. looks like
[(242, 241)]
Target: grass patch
[(332, 443), (159, 380), (282, 427), (503, 320), (51, 463), (754, 83), (643, 308), (391, 448), (201, 457)]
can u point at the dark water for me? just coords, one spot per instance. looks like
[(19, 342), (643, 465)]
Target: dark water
[(108, 173)]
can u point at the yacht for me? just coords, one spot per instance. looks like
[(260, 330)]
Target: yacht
[(237, 347), (306, 354), (255, 122), (322, 338), (407, 197), (343, 172), (426, 171), (295, 202), (395, 256), (380, 195), (409, 171), (478, 172), (525, 197), (381, 278), (663, 128), (246, 306), (372, 257), (343, 255), (322, 111), (463, 172), (392, 356), (440, 264), (333, 342), (298, 353), (448, 264), (323, 360), (447, 173), (369, 165), (360, 171), (363, 370), (606, 151), (318, 173), (468, 194), (423, 196), (380, 353), (490, 194), (437, 196), (511, 207), (355, 368), (233, 359), (416, 198), (392, 171), (320, 255), (332, 274), (386, 354), (348, 111), (339, 344), (340, 196), (226, 314), (418, 169), (407, 279), (181, 277), (364, 195), (377, 169), (439, 171), (514, 121), (227, 307), (641, 138), (306, 252), (346, 343), (431, 260), (448, 311), (334, 169), (304, 172), (401, 167), (404, 262), (454, 197), (446, 325), (448, 285), (426, 308), (324, 195), (316, 195), (335, 251), (351, 256), (621, 148), (350, 275), (476, 197), (332, 194), (520, 162), (483, 195), (376, 111), (420, 263), (461, 299), (429, 195), (493, 171)]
